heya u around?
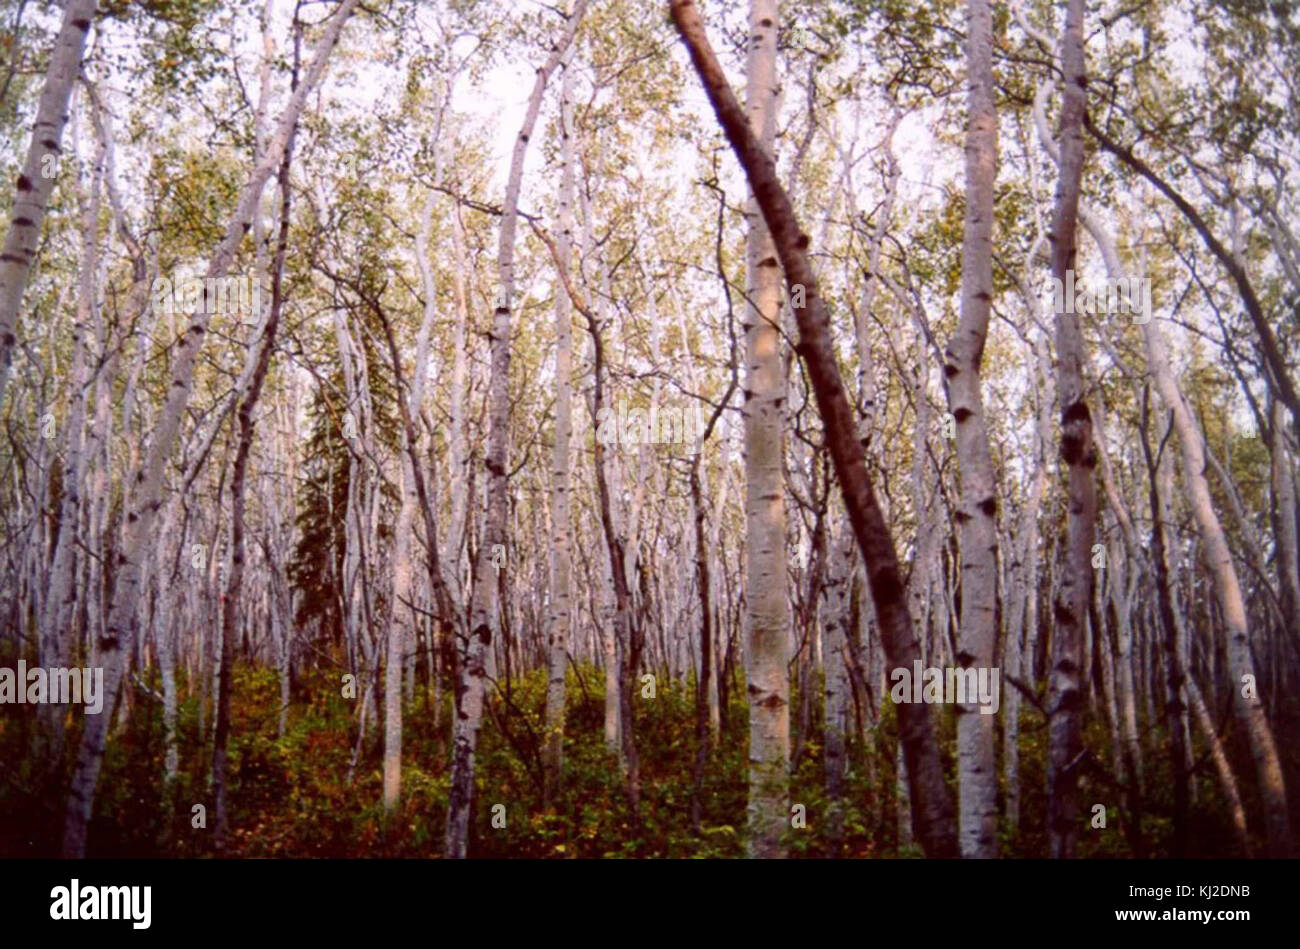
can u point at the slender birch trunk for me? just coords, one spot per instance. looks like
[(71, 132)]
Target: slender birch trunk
[(933, 816), (1171, 622), (401, 619), (265, 347), (559, 620), (147, 481), (38, 174), (61, 599), (1123, 587), (977, 513), (1284, 519), (1249, 710), (767, 619), (483, 619), (836, 634), (1065, 698)]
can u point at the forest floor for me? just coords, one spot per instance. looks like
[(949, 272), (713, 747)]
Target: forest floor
[(299, 795)]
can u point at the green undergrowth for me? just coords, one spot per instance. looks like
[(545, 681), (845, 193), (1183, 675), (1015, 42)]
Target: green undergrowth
[(316, 792)]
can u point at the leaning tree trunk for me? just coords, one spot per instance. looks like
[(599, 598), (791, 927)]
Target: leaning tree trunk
[(932, 808), (483, 619), (1247, 703), (977, 512), (37, 178), (147, 481)]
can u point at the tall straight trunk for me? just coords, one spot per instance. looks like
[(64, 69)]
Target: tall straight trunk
[(416, 494), (402, 620), (280, 592), (932, 806), (483, 618), (767, 619), (622, 634), (166, 633), (1250, 712), (58, 620), (977, 512), (706, 575), (147, 482), (460, 480), (717, 568), (1021, 638), (1070, 610), (399, 634), (626, 637), (37, 178), (559, 619), (919, 582), (609, 656)]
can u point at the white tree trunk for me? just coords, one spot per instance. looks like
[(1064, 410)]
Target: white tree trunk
[(483, 619), (835, 632), (559, 618), (977, 513), (1071, 606), (767, 619), (402, 619), (1249, 711), (38, 174), (147, 482)]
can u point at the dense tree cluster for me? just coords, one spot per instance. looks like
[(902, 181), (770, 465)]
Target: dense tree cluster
[(576, 420)]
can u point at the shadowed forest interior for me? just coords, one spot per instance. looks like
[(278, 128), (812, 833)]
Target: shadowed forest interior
[(633, 428)]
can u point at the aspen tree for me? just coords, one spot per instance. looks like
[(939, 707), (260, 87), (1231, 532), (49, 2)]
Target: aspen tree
[(767, 619), (483, 619), (37, 180), (147, 481), (1070, 610), (977, 514), (933, 816), (561, 609)]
